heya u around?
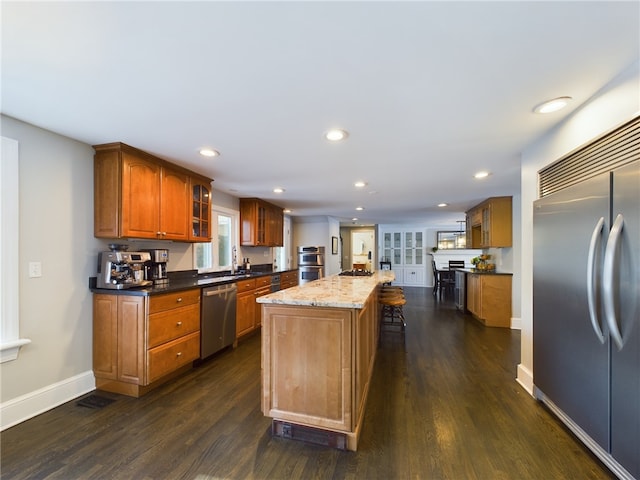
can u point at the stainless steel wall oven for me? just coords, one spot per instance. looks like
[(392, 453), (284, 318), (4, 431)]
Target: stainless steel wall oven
[(310, 263)]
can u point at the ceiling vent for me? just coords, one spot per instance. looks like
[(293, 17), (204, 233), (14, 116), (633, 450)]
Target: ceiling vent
[(612, 150)]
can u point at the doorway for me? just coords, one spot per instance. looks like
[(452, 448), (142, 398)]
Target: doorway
[(362, 249)]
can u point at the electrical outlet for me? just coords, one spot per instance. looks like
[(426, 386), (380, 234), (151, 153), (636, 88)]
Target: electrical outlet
[(35, 269)]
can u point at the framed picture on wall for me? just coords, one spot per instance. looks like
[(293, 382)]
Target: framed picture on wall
[(334, 245)]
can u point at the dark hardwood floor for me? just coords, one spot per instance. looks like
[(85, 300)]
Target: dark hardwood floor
[(443, 405)]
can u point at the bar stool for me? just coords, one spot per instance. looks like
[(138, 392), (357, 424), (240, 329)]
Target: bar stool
[(392, 300)]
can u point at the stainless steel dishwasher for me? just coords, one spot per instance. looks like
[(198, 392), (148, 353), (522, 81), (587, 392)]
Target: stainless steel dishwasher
[(218, 318)]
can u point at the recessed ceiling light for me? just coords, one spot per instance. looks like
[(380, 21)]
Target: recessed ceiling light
[(278, 190), (552, 105), (481, 175), (360, 184), (359, 208), (443, 204), (209, 152), (354, 219), (336, 134), (287, 210)]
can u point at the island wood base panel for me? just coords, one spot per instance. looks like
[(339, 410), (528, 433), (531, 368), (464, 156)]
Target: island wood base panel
[(317, 436), (317, 364)]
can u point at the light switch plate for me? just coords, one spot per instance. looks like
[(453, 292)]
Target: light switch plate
[(35, 269)]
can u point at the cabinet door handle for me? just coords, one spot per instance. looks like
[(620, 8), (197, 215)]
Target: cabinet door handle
[(179, 299), (179, 324), (179, 354)]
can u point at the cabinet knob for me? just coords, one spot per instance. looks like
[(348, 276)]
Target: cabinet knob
[(179, 354), (179, 299), (179, 324)]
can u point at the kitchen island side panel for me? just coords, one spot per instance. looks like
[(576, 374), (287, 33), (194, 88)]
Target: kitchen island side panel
[(307, 374)]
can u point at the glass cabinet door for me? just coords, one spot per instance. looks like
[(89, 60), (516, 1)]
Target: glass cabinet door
[(408, 248), (414, 248), (392, 247), (419, 250), (200, 213)]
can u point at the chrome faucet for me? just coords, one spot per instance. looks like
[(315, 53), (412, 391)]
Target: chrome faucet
[(234, 260)]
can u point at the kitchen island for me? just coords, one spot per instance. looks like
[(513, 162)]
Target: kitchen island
[(319, 343)]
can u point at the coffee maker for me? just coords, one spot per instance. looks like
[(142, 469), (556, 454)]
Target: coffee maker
[(120, 269), (155, 269)]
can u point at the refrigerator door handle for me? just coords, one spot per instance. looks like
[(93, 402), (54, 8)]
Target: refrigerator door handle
[(608, 272), (593, 314)]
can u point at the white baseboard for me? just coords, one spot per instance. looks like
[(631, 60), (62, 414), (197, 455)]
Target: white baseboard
[(525, 378), (516, 323), (22, 408)]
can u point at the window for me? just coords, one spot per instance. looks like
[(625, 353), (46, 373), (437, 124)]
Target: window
[(218, 254), (225, 240), (10, 341)]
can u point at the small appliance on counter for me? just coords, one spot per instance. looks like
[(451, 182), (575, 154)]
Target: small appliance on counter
[(119, 269), (155, 269)]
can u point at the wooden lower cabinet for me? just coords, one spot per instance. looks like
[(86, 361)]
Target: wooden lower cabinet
[(248, 313), (288, 279), (263, 287), (139, 341), (317, 364), (489, 298), (245, 307)]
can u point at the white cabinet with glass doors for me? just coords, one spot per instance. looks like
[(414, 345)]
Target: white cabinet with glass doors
[(405, 249)]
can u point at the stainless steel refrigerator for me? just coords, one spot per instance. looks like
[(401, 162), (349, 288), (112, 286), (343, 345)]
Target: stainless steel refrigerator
[(586, 307)]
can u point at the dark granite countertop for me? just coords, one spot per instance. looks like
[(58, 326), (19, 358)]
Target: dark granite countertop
[(185, 280), (483, 272)]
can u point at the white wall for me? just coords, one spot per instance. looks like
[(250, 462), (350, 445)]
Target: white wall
[(56, 229), (614, 104), (317, 230)]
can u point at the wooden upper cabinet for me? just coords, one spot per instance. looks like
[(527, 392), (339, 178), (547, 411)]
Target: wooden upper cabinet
[(175, 205), (140, 197), (261, 223), (489, 224), (137, 195), (200, 210)]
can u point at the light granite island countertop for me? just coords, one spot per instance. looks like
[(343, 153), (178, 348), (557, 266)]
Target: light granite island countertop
[(319, 342), (334, 291)]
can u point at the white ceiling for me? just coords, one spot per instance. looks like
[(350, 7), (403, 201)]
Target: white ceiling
[(430, 92)]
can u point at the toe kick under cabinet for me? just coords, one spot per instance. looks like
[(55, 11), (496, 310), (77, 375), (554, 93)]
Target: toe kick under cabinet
[(139, 342)]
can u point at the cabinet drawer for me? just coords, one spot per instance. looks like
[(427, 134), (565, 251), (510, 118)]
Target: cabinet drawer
[(171, 324), (167, 301), (170, 356), (262, 291), (263, 281), (289, 276), (246, 285)]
